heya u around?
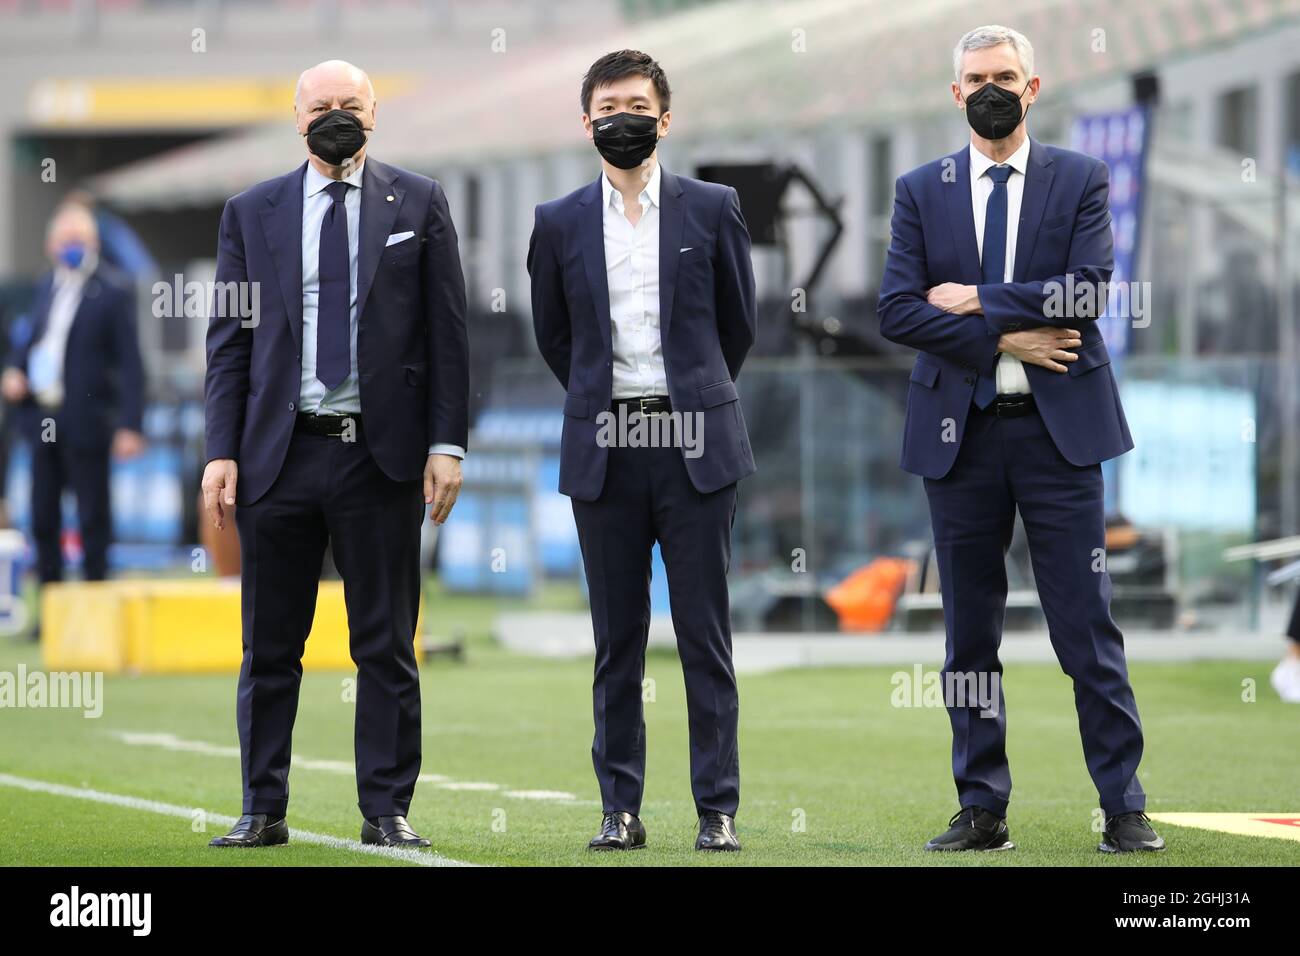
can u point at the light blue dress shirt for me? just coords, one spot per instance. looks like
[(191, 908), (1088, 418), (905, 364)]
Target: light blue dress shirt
[(313, 396)]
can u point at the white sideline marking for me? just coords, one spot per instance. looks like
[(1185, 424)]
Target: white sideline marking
[(544, 795), (172, 742), (416, 857)]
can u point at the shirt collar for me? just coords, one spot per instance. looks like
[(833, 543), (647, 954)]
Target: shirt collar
[(979, 163), (315, 180), (651, 191)]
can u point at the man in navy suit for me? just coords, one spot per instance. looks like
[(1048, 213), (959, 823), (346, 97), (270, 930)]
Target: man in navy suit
[(998, 258), (337, 394), (644, 308), (76, 378)]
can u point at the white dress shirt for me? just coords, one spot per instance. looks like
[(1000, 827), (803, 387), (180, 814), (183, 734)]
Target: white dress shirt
[(46, 358), (1011, 378), (632, 272), (313, 397)]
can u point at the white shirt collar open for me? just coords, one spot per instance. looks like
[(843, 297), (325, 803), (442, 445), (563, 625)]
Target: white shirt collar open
[(649, 194)]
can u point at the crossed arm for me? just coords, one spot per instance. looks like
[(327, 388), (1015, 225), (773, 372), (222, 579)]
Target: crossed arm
[(1015, 317)]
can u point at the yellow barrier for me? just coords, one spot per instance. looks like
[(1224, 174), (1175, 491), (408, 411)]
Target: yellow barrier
[(171, 627)]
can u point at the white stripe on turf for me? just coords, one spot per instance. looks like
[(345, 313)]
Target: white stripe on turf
[(180, 745), (417, 857), (172, 742)]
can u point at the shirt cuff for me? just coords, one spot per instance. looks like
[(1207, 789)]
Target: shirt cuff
[(454, 450)]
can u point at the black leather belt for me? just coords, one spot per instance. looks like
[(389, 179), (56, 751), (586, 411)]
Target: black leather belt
[(649, 405), (1011, 406), (334, 426)]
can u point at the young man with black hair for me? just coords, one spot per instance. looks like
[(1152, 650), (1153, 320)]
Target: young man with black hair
[(644, 308)]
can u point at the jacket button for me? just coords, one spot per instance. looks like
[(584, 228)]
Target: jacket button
[(291, 406)]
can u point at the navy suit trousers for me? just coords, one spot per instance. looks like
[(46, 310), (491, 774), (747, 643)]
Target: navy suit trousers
[(648, 497), (331, 492), (1004, 465), (61, 464)]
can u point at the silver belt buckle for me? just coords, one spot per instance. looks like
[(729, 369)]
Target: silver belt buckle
[(641, 403)]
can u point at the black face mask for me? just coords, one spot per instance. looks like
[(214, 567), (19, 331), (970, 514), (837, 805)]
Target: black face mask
[(336, 136), (625, 140), (994, 111)]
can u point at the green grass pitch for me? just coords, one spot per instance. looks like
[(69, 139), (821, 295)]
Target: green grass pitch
[(831, 773)]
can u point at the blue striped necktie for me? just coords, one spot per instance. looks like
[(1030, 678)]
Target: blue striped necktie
[(333, 349), (993, 262)]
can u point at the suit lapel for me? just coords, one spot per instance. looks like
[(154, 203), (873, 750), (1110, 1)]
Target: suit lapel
[(672, 223), (591, 228), (961, 218), (90, 291), (1038, 184), (282, 227), (380, 201)]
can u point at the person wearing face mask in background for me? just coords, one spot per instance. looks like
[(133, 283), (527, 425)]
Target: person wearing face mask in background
[(334, 416), (644, 308), (77, 385), (1012, 406)]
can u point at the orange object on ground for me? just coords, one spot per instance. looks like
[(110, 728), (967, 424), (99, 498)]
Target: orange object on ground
[(865, 599)]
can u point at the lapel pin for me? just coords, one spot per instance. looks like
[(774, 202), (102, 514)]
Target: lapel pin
[(390, 198)]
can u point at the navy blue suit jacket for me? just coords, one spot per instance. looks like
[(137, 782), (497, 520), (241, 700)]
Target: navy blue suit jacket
[(1064, 230), (708, 320), (103, 377), (412, 352)]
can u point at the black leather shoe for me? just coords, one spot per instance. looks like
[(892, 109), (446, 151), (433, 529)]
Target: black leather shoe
[(619, 831), (390, 831), (1130, 833), (717, 832), (974, 828), (255, 829)]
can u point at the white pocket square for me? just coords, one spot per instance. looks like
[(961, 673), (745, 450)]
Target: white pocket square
[(397, 237), (685, 249)]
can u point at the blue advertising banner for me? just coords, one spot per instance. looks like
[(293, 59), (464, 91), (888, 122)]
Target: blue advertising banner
[(1120, 140)]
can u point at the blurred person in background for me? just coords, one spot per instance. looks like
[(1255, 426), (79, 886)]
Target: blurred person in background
[(119, 245), (76, 381), (1011, 407), (334, 414), (643, 305), (1286, 676)]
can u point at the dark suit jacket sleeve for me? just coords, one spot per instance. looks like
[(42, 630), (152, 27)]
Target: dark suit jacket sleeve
[(1091, 259), (736, 297), (905, 315), (229, 347), (445, 308), (16, 357), (550, 311), (130, 368), (21, 332)]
